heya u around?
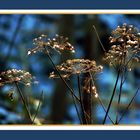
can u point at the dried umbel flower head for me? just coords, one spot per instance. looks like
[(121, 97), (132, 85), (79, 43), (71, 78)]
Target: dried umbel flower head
[(59, 44), (125, 41), (89, 88), (13, 75), (77, 66)]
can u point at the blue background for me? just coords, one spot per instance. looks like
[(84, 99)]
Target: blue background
[(69, 4)]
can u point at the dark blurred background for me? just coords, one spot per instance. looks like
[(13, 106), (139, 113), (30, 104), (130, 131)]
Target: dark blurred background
[(16, 35)]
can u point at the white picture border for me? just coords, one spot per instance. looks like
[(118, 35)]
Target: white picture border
[(69, 127)]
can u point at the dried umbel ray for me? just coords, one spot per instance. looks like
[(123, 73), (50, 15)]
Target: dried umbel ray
[(58, 43), (77, 66), (125, 45), (89, 88), (13, 75)]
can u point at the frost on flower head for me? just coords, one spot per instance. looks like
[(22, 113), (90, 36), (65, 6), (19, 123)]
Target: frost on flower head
[(77, 66), (59, 44), (13, 75), (125, 45)]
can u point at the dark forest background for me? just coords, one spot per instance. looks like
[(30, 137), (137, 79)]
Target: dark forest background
[(16, 35)]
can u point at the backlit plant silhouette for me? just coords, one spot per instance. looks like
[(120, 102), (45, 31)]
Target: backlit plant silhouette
[(16, 77), (123, 54), (124, 50)]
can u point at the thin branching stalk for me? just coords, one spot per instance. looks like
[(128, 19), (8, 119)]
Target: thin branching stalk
[(99, 39), (113, 93), (122, 69), (103, 48), (90, 100), (81, 100), (119, 99), (24, 103), (71, 91), (125, 111), (76, 108), (77, 111), (38, 107), (130, 59), (100, 101)]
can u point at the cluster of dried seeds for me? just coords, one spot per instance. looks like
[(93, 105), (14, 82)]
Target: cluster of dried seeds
[(125, 45), (13, 75), (59, 44), (77, 66)]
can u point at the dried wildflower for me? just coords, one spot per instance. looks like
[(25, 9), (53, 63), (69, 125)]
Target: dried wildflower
[(88, 88), (125, 41), (59, 44), (13, 75), (77, 66)]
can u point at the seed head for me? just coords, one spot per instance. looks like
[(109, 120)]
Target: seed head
[(14, 75), (77, 66), (58, 44), (125, 45)]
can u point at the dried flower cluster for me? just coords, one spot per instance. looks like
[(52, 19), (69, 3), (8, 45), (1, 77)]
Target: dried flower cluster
[(77, 66), (88, 88), (125, 45), (59, 44), (13, 75)]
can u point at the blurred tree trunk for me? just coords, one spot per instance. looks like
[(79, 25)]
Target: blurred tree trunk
[(92, 52), (59, 101)]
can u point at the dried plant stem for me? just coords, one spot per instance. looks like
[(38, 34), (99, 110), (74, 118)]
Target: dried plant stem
[(81, 100), (103, 48), (125, 111), (99, 39), (76, 108), (38, 107), (113, 93), (122, 75), (24, 103), (100, 101), (119, 99), (90, 104), (71, 90), (77, 111), (78, 114)]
